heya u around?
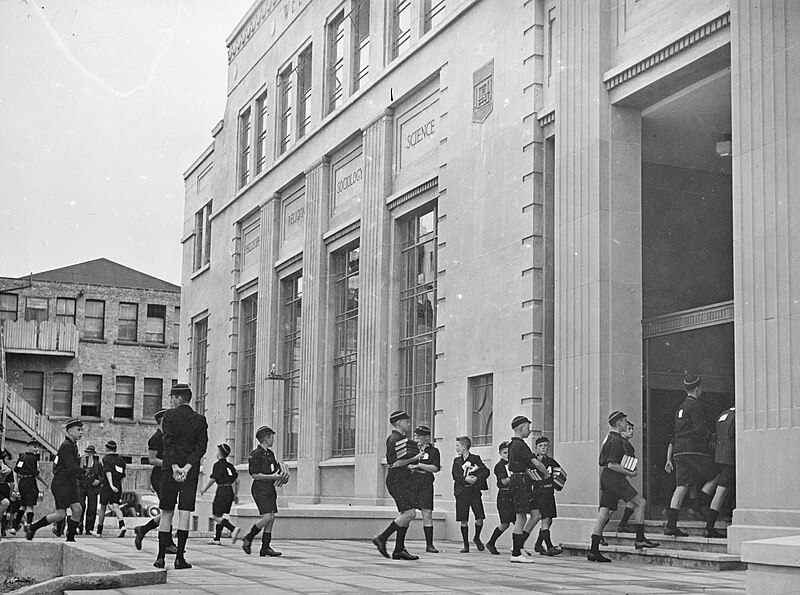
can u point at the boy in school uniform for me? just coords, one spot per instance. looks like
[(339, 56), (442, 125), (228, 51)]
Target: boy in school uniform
[(227, 479), (469, 479), (725, 458), (614, 486), (27, 470), (623, 526), (267, 473), (66, 470), (89, 482), (424, 471), (111, 489), (505, 503), (544, 496)]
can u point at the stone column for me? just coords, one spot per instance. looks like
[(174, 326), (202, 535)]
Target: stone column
[(373, 327), (598, 287), (765, 52), (313, 429)]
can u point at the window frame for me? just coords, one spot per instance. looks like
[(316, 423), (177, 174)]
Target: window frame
[(285, 109), (292, 321), (156, 337), (336, 50), (6, 311), (87, 334), (66, 411), (36, 300), (433, 13), (200, 362), (245, 146), (248, 346), (135, 320), (120, 410), (400, 40), (149, 396), (480, 420), (33, 392), (85, 392), (66, 317), (261, 132), (304, 73), (202, 236)]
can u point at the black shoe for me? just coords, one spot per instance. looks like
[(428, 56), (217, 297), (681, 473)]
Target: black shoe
[(597, 557), (492, 549), (246, 544), (181, 564), (479, 544), (171, 549), (640, 545), (70, 538), (159, 563), (29, 532), (404, 555), (268, 551), (603, 541), (138, 537), (379, 543), (539, 549), (555, 550), (431, 550), (465, 549), (626, 528), (675, 532), (713, 534), (88, 533)]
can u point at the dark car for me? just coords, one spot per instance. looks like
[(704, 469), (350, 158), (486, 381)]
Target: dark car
[(139, 503)]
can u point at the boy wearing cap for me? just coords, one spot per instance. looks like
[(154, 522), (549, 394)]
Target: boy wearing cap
[(545, 499), (227, 479), (89, 482), (66, 470), (400, 453), (111, 489), (505, 503), (623, 526), (725, 458), (27, 470), (469, 480), (265, 471), (423, 471)]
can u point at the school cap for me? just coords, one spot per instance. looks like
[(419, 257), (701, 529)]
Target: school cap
[(181, 390), (422, 431), (263, 432), (74, 422), (519, 420), (111, 445), (542, 439), (397, 416), (615, 417), (90, 449), (159, 414), (503, 445), (32, 442), (691, 381), (224, 449)]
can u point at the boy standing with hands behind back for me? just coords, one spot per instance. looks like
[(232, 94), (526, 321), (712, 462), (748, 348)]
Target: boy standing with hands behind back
[(469, 478)]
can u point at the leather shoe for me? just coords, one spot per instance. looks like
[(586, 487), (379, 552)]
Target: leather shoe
[(29, 532), (597, 557), (404, 555), (713, 534), (246, 545), (639, 545), (492, 549), (626, 528), (555, 550), (674, 531), (464, 550), (181, 564), (539, 549), (159, 563), (379, 543), (138, 537), (268, 551), (479, 544), (171, 549), (431, 550)]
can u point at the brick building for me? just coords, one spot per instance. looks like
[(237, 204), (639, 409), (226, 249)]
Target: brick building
[(95, 340)]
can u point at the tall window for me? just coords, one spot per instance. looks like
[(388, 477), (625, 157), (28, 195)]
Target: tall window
[(128, 322), (261, 132), (33, 389), (401, 27), (247, 381), (8, 306), (36, 309), (176, 326), (152, 397), (481, 401), (284, 109), (202, 237), (418, 316), (62, 394), (345, 351), (292, 317), (200, 364), (65, 310), (360, 19), (304, 92), (335, 69), (433, 14), (94, 323), (245, 142), (123, 397), (91, 395), (551, 28), (156, 322)]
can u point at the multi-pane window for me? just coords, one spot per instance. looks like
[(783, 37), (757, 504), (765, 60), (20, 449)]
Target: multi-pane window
[(401, 27), (91, 395), (335, 69), (360, 20), (128, 322), (245, 142), (33, 389), (292, 318), (481, 401), (247, 380), (202, 237), (345, 351), (65, 310), (284, 109), (261, 132), (62, 394), (8, 306), (94, 322), (433, 14), (156, 323), (36, 309), (551, 28), (200, 364), (123, 397), (304, 92), (176, 326), (418, 316), (152, 398)]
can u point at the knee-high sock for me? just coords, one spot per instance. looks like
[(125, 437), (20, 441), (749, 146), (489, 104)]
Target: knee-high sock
[(400, 540), (182, 537), (428, 535)]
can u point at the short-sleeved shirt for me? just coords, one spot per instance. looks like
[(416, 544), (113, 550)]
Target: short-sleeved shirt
[(501, 472), (692, 430), (114, 464), (614, 448), (156, 443), (519, 455), (262, 461), (432, 457), (725, 451), (223, 472), (27, 465), (399, 447), (67, 465)]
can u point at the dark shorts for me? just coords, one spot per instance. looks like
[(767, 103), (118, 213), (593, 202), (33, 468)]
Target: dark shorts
[(109, 496), (613, 488), (223, 500), (28, 491), (155, 480), (694, 470), (65, 492), (505, 507), (727, 475), (425, 494), (403, 489), (521, 493), (469, 499), (180, 494), (5, 491), (265, 496), (545, 501)]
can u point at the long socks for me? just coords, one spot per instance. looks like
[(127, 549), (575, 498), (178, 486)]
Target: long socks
[(182, 537), (226, 524), (400, 540), (218, 534), (544, 537), (465, 536), (495, 536), (149, 526), (42, 522), (626, 516), (712, 519), (478, 529), (640, 532), (164, 539), (595, 547), (387, 533), (516, 549), (672, 518), (251, 535), (428, 536)]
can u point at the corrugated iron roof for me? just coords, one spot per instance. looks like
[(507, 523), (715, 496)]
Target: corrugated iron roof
[(102, 271)]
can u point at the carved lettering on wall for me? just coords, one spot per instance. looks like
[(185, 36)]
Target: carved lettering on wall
[(294, 210), (418, 135), (348, 179), (268, 11)]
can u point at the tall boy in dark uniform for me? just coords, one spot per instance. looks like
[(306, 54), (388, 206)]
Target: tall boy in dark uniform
[(89, 483), (469, 480), (505, 503), (266, 473), (226, 477), (545, 498), (429, 464), (66, 470), (27, 470), (111, 488), (725, 458), (400, 453)]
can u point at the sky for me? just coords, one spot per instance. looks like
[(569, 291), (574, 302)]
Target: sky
[(103, 105)]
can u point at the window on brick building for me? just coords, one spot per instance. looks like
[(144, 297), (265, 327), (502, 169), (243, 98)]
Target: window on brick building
[(156, 323), (200, 358), (94, 322), (202, 237), (8, 306), (36, 309), (65, 310), (152, 397), (91, 395), (33, 389), (123, 397), (176, 326), (62, 394), (292, 290), (128, 322), (482, 404)]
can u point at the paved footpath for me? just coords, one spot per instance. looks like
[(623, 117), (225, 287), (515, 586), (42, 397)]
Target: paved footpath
[(341, 566)]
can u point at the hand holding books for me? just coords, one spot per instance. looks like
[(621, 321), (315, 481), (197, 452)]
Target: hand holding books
[(284, 474)]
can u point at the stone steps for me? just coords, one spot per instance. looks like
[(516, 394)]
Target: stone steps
[(663, 556), (693, 542)]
